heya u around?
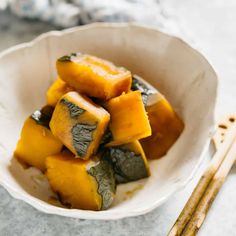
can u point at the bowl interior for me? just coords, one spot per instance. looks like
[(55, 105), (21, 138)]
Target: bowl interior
[(174, 68)]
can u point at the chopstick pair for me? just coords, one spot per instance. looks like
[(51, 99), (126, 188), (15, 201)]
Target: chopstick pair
[(193, 214)]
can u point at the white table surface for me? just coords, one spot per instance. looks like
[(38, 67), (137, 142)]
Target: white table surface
[(211, 27)]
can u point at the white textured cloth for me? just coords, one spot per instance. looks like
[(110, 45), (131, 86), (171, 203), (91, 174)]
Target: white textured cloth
[(68, 13)]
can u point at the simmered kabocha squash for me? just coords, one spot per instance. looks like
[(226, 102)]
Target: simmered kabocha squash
[(166, 125), (88, 185), (129, 162), (36, 141), (56, 91), (166, 128), (93, 76), (129, 121), (79, 124), (139, 84)]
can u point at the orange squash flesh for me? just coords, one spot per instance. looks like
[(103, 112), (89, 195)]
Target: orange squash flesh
[(93, 76), (77, 185), (79, 124), (129, 121), (36, 143), (166, 128), (56, 91)]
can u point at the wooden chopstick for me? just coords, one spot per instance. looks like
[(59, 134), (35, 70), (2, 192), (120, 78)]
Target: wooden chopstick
[(203, 183), (207, 199)]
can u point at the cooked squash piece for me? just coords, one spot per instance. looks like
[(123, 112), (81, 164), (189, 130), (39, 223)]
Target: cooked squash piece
[(166, 128), (129, 162), (139, 84), (88, 185), (36, 141), (165, 123), (93, 76), (79, 124), (129, 121), (56, 91)]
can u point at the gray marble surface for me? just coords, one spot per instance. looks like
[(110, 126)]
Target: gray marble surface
[(211, 26)]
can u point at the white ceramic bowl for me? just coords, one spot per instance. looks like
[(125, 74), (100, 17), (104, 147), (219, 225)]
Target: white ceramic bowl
[(182, 74)]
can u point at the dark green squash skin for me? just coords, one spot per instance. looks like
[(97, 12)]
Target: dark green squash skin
[(75, 111), (82, 134), (128, 166), (139, 85), (43, 116), (68, 58), (104, 175)]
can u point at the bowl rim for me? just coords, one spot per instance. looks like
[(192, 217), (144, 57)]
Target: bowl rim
[(106, 215)]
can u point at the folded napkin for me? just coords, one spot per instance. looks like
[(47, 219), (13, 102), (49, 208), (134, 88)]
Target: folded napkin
[(68, 13)]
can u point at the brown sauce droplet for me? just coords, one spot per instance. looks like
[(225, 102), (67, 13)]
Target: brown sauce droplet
[(223, 126), (232, 119)]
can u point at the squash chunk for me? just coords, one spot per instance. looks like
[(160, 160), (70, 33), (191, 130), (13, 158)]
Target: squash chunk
[(88, 185), (56, 91), (129, 162), (79, 124), (166, 128), (166, 125), (129, 121), (36, 141), (93, 76), (146, 89)]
